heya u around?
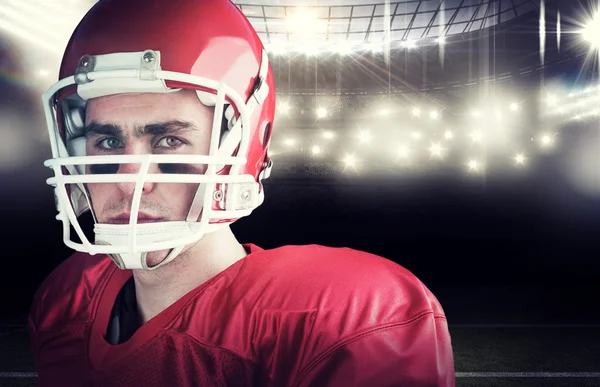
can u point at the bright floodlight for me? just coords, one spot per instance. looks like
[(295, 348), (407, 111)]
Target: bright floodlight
[(303, 22), (321, 112), (328, 135), (434, 115), (350, 161), (284, 107), (316, 150), (364, 136), (519, 159), (409, 44), (416, 112), (277, 48), (436, 150), (344, 47), (547, 140), (375, 46), (289, 142), (476, 136), (415, 135), (591, 32), (514, 107), (403, 151), (448, 135), (474, 166), (441, 40)]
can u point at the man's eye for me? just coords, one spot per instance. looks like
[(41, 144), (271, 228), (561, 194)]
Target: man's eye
[(168, 142), (109, 143)]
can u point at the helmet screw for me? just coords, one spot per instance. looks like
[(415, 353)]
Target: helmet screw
[(246, 195), (218, 195), (84, 62), (148, 57)]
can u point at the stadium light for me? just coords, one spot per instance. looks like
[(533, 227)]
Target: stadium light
[(591, 32), (436, 150), (284, 107), (350, 161), (519, 159), (328, 135)]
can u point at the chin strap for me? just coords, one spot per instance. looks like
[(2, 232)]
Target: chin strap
[(147, 233)]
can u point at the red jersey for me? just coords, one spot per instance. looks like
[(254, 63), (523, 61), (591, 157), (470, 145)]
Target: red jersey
[(290, 316)]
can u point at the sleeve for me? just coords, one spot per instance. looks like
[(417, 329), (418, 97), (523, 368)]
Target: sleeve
[(415, 354)]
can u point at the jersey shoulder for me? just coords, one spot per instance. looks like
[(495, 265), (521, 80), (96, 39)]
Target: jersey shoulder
[(340, 280), (69, 291)]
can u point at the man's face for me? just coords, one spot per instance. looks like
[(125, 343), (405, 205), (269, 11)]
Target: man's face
[(156, 123)]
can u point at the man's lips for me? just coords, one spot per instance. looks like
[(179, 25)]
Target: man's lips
[(142, 218)]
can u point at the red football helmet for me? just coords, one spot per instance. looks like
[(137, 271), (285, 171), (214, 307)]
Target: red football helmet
[(160, 46)]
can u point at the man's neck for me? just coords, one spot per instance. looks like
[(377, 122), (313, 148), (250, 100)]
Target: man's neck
[(156, 290)]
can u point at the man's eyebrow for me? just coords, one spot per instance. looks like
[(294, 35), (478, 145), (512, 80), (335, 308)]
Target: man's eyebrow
[(95, 128), (174, 127), (161, 128)]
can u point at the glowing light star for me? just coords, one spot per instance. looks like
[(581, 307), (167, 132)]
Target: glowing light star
[(289, 142), (321, 112), (364, 136), (434, 115), (416, 135), (519, 159), (436, 150), (409, 44), (547, 140), (476, 136), (328, 135), (304, 22), (350, 161), (284, 107), (416, 112), (316, 150), (403, 151), (344, 47), (375, 47), (474, 166), (591, 32), (448, 135)]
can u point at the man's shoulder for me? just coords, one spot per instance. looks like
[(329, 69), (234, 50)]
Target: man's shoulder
[(318, 276), (67, 292)]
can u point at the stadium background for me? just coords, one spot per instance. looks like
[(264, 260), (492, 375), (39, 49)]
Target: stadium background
[(472, 160)]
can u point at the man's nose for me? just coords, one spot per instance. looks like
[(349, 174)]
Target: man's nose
[(128, 188)]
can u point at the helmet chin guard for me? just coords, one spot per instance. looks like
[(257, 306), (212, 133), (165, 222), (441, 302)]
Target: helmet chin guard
[(220, 199)]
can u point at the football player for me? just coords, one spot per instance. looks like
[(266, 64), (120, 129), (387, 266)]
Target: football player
[(160, 126)]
